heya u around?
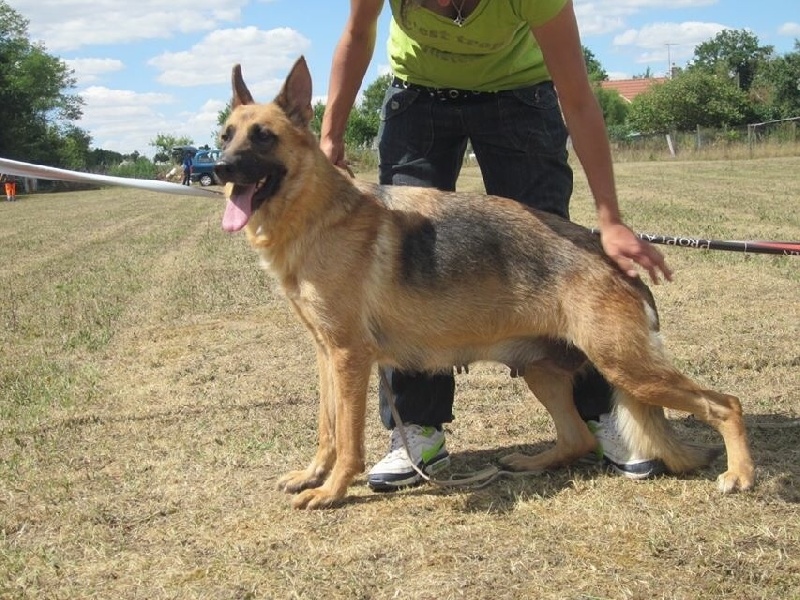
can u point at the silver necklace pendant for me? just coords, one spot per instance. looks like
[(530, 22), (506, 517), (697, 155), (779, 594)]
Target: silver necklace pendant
[(459, 18)]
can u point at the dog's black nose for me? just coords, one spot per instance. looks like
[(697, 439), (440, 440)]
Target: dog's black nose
[(223, 170)]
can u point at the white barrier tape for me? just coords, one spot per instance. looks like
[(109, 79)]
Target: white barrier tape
[(21, 169)]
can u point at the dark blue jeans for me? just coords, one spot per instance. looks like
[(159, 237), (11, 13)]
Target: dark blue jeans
[(520, 142)]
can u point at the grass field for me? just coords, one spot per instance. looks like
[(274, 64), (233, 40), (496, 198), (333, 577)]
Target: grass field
[(154, 385)]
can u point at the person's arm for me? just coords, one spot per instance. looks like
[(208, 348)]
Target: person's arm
[(561, 46), (351, 58)]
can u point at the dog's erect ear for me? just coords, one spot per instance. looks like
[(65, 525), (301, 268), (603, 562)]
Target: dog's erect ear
[(295, 96), (241, 95)]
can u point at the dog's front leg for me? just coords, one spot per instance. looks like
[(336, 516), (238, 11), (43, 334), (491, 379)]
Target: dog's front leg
[(349, 375), (317, 470), (553, 388)]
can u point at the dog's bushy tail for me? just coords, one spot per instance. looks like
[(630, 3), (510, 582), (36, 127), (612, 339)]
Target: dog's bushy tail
[(647, 431)]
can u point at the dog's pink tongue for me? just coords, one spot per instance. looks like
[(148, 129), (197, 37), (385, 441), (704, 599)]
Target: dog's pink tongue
[(239, 208)]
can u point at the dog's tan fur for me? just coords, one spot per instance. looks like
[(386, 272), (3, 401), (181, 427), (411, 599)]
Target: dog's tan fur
[(421, 279)]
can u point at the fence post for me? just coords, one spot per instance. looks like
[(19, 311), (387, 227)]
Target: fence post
[(670, 145)]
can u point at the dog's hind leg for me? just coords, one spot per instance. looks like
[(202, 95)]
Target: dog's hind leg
[(654, 384), (553, 388), (319, 468), (349, 372), (624, 346)]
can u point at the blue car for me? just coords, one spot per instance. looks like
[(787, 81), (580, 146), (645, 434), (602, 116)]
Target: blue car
[(203, 167)]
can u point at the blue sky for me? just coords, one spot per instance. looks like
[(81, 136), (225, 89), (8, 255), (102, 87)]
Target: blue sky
[(146, 67)]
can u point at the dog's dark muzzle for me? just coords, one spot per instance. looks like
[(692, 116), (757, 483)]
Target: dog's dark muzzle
[(268, 176), (232, 171)]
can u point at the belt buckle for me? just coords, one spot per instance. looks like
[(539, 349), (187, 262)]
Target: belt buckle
[(453, 93)]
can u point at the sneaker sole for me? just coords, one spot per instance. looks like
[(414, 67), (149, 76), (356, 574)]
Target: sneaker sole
[(655, 469), (403, 481)]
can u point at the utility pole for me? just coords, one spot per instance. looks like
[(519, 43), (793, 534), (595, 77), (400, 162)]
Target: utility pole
[(669, 59)]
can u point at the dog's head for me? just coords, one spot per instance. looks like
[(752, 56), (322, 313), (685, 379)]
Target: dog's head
[(260, 144)]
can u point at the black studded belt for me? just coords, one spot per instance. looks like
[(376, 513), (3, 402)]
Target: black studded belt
[(443, 94)]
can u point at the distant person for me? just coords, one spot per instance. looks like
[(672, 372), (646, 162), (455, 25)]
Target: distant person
[(10, 182), (187, 169)]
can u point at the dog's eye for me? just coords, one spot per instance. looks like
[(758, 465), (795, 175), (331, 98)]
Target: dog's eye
[(262, 135), (226, 135)]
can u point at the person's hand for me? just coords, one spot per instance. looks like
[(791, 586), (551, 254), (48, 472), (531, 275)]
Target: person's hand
[(334, 150), (626, 249)]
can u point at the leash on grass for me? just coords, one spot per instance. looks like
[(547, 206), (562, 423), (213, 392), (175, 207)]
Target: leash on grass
[(752, 246), (473, 480)]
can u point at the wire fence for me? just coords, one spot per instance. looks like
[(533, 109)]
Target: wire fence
[(767, 139)]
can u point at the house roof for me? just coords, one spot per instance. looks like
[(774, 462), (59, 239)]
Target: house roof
[(630, 88)]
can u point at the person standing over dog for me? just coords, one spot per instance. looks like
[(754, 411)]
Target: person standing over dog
[(483, 71)]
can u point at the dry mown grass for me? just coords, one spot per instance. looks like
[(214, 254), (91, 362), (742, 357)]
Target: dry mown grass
[(154, 386)]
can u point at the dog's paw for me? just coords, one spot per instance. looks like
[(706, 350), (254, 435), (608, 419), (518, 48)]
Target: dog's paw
[(732, 481), (316, 499), (523, 462), (297, 481)]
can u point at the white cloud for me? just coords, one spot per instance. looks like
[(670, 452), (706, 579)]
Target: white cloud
[(790, 29), (116, 118), (264, 55), (598, 17), (595, 23), (662, 41), (71, 24), (202, 124), (616, 75), (124, 120), (632, 6), (89, 70)]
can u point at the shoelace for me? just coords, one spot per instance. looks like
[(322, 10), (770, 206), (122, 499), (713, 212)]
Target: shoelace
[(609, 429), (397, 448)]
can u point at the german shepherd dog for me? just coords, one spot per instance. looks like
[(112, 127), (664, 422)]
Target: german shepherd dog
[(425, 280)]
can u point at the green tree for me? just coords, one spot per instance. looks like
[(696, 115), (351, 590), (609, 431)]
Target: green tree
[(596, 71), (136, 167), (777, 86), (615, 108), (36, 109), (690, 99), (316, 120), (222, 117), (224, 114), (735, 52), (165, 142), (102, 160), (74, 149), (372, 99), (362, 129), (364, 119)]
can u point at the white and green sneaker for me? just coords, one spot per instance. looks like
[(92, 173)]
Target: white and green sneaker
[(396, 470), (615, 453)]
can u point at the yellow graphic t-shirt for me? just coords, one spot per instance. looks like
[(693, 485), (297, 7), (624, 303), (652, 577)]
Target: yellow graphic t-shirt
[(493, 50)]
